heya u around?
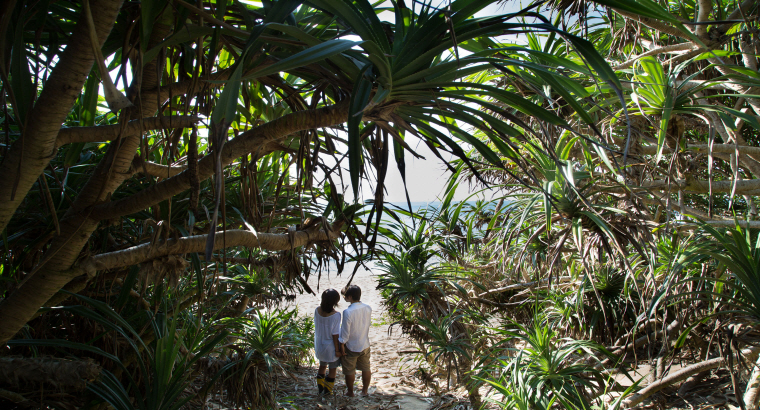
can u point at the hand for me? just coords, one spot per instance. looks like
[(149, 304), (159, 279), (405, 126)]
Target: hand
[(338, 353)]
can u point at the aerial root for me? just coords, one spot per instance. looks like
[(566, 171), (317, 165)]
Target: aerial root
[(683, 374)]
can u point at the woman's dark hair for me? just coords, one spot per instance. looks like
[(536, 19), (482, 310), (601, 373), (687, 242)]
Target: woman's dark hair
[(330, 299)]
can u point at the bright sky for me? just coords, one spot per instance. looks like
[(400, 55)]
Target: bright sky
[(426, 179)]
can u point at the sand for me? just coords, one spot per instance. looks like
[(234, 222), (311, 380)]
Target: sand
[(393, 384)]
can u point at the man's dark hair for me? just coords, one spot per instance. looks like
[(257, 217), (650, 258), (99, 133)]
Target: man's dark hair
[(355, 292)]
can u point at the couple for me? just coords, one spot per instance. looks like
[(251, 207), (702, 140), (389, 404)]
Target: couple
[(345, 343)]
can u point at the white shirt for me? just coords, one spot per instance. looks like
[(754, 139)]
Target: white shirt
[(324, 329), (355, 329)]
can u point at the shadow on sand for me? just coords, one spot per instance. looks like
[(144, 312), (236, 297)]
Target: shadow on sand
[(301, 392)]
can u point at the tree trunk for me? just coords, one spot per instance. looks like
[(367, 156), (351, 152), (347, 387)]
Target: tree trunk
[(82, 219), (54, 272), (752, 394), (31, 153), (246, 143), (679, 376), (30, 374)]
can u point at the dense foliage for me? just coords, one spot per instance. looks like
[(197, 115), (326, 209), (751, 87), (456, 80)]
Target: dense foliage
[(621, 231), (151, 228)]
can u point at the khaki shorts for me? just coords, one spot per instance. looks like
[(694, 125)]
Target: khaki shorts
[(354, 361)]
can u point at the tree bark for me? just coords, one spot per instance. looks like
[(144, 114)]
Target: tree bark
[(743, 186), (679, 376), (197, 243), (82, 219), (32, 152), (156, 170), (29, 374), (752, 393), (248, 142), (76, 227), (656, 51), (104, 133)]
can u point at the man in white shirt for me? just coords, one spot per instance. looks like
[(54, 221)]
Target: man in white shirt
[(354, 340)]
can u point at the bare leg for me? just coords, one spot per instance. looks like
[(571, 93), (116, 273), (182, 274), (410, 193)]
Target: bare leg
[(333, 373), (366, 378), (321, 370), (350, 385)]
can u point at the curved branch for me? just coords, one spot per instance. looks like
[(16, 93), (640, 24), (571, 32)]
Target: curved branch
[(684, 210), (679, 376), (31, 153), (253, 141), (102, 133), (156, 170), (525, 285), (717, 148), (700, 187), (705, 7), (638, 342), (727, 224), (657, 25), (656, 51), (752, 392), (748, 155), (740, 12), (197, 243)]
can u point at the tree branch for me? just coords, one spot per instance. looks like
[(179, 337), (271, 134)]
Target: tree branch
[(740, 12), (31, 153), (717, 148), (657, 25), (656, 51), (110, 132), (705, 7), (743, 186), (681, 375), (253, 141), (197, 243), (156, 170), (684, 210)]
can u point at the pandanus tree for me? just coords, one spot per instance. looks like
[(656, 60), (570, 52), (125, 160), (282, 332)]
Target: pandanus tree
[(676, 142), (218, 137)]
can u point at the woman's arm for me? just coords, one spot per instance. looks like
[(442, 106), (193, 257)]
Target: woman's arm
[(336, 335), (338, 352)]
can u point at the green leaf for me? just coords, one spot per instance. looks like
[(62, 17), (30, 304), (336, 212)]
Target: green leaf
[(309, 56), (343, 62), (595, 60), (361, 19), (89, 101), (667, 110), (149, 12), (21, 77), (359, 100), (648, 8), (226, 106)]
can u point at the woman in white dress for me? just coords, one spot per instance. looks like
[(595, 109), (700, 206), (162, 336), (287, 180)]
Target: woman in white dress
[(326, 346)]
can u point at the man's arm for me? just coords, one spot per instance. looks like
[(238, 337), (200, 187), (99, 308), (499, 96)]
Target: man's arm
[(345, 329)]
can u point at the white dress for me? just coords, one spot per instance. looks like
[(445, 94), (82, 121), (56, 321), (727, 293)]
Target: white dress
[(324, 329)]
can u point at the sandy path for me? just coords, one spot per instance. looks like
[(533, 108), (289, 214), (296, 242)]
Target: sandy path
[(393, 384)]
